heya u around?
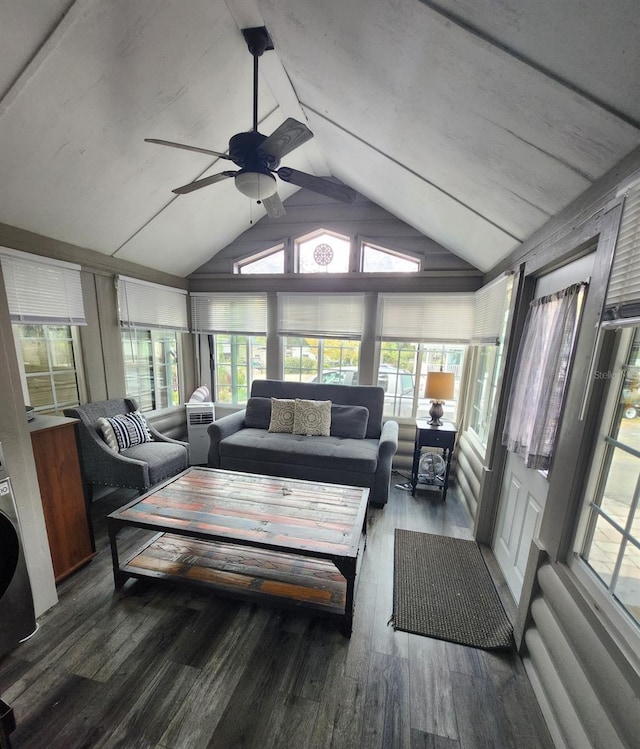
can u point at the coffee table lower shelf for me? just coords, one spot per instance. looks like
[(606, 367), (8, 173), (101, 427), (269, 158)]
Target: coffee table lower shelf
[(241, 571)]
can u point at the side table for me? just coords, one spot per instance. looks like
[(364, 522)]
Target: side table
[(443, 437)]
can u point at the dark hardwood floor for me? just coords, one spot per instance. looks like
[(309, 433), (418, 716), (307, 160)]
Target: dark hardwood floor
[(166, 666)]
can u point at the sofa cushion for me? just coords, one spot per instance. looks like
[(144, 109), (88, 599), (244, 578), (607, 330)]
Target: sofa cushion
[(258, 413), (282, 415), (349, 421), (312, 418), (359, 455)]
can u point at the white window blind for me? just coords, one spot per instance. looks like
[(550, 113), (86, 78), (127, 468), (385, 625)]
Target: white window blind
[(41, 290), (149, 305), (446, 318), (229, 313), (489, 312), (623, 294), (321, 315)]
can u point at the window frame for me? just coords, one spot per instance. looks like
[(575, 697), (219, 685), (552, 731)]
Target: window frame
[(156, 390), (248, 366), (317, 233), (617, 621), (402, 254), (74, 336), (256, 256)]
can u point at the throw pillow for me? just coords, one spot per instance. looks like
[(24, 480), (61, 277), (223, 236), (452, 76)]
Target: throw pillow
[(282, 415), (258, 413), (349, 421), (129, 429), (107, 432), (312, 418)]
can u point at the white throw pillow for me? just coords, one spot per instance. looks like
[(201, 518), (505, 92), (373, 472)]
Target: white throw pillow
[(312, 418)]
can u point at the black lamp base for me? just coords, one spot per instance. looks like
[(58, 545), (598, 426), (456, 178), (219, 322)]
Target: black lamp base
[(435, 412)]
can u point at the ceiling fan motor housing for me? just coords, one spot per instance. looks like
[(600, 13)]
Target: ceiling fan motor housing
[(244, 149)]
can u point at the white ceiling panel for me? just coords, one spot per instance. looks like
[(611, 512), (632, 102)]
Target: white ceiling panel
[(417, 203), (474, 122)]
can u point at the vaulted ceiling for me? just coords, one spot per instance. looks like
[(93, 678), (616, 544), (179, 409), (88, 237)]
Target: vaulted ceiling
[(473, 121)]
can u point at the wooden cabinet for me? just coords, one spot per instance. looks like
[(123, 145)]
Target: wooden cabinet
[(65, 512)]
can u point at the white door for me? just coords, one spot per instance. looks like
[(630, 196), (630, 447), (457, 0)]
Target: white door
[(523, 492), (522, 499)]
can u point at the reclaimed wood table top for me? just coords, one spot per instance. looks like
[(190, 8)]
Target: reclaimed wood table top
[(304, 517)]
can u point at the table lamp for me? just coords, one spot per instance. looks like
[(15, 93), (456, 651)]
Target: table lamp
[(438, 388)]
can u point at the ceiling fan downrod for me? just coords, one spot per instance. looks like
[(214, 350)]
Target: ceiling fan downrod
[(258, 41)]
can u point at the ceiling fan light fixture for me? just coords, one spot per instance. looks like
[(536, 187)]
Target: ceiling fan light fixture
[(256, 185)]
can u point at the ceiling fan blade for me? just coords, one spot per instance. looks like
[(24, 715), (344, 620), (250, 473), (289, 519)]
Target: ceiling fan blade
[(286, 138), (317, 184), (203, 182), (273, 206), (188, 148)]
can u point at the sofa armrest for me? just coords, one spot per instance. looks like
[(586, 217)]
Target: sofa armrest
[(159, 437), (387, 447), (388, 444), (220, 429)]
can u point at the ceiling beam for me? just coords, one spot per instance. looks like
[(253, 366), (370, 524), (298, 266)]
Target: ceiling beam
[(466, 206), (48, 45)]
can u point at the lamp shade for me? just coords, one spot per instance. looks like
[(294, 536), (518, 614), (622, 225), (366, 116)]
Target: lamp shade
[(258, 185), (439, 386)]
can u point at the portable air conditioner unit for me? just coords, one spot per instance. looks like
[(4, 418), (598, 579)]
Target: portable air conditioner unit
[(199, 416)]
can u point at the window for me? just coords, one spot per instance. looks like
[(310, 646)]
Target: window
[(403, 373), (486, 369), (151, 367), (151, 317), (323, 252), (270, 261), (45, 306), (238, 325), (321, 336), (48, 359), (611, 538), (491, 316), (380, 260), (412, 330), (321, 360), (240, 359)]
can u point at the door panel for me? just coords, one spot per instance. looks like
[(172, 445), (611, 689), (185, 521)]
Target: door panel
[(523, 496)]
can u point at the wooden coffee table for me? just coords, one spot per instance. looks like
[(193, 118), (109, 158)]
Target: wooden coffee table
[(298, 543)]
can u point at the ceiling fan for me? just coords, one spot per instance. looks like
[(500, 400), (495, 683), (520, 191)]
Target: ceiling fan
[(258, 155)]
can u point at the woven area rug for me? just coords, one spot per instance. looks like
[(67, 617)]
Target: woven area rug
[(442, 588)]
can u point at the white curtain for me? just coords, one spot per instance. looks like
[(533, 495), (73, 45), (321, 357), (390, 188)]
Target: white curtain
[(541, 375)]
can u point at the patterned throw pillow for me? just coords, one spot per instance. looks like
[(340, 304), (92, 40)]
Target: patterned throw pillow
[(282, 414), (312, 418), (125, 430)]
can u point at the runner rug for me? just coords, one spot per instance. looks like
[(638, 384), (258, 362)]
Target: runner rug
[(442, 588)]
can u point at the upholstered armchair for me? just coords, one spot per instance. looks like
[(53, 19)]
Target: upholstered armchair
[(139, 466)]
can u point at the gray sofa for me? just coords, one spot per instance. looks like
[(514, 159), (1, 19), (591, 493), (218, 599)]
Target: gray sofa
[(358, 451)]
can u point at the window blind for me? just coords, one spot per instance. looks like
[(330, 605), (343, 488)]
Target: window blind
[(229, 313), (446, 318), (143, 304), (623, 294), (321, 315), (489, 312), (41, 290)]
